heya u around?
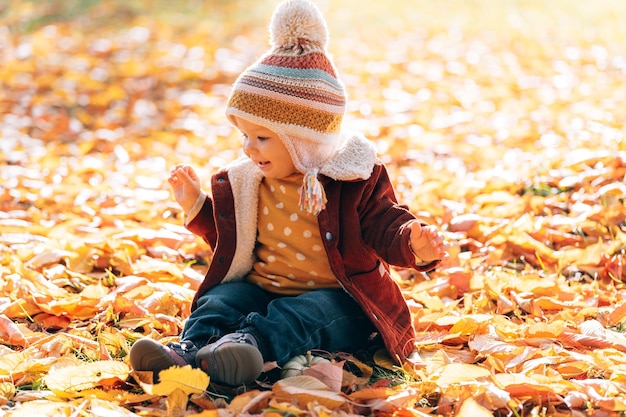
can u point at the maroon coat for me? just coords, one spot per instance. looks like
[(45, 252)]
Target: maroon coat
[(363, 229)]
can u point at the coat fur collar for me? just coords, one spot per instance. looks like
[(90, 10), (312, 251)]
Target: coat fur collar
[(354, 159)]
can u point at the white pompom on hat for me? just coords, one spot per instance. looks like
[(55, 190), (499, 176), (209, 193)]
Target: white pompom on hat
[(296, 20), (294, 91)]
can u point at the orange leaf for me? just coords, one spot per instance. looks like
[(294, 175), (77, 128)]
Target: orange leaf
[(470, 408), (253, 401), (10, 332), (50, 322), (372, 393), (617, 316), (550, 330)]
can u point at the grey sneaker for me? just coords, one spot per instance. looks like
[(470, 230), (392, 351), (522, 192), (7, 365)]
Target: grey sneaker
[(150, 355), (233, 360)]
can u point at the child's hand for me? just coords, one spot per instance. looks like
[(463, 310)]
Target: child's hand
[(428, 243), (186, 186)]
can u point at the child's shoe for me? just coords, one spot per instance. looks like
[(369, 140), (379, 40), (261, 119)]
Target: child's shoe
[(149, 355), (233, 360)]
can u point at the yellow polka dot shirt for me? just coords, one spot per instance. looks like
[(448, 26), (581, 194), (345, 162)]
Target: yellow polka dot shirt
[(290, 256)]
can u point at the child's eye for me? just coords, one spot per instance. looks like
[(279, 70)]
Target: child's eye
[(262, 138)]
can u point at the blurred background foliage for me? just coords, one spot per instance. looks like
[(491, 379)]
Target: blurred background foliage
[(463, 77), (524, 18)]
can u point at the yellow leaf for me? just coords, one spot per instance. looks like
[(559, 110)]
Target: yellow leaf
[(7, 390), (364, 368), (103, 408), (116, 395), (553, 329), (11, 363), (458, 373), (96, 291), (382, 359), (465, 326), (190, 381), (470, 408), (176, 403), (286, 408), (79, 377)]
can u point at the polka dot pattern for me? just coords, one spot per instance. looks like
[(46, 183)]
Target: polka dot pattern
[(289, 245)]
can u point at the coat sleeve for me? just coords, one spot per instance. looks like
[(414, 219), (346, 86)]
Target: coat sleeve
[(203, 223), (385, 224)]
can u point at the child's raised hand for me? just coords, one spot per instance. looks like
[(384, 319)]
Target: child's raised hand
[(186, 186), (428, 243)]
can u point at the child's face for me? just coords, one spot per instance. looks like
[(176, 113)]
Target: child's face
[(265, 149)]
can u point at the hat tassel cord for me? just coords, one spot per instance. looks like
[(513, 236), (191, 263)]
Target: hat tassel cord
[(312, 195)]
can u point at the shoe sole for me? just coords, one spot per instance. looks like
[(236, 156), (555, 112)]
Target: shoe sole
[(148, 355), (233, 364)]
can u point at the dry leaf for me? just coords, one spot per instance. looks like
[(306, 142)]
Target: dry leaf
[(504, 129), (456, 373), (11, 333), (249, 402), (470, 408), (187, 379), (176, 402), (304, 389), (75, 378), (331, 374)]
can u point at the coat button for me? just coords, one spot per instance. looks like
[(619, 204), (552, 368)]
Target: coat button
[(329, 236), (221, 180), (223, 215), (220, 259)]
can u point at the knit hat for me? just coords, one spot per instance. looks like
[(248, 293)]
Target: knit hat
[(293, 90)]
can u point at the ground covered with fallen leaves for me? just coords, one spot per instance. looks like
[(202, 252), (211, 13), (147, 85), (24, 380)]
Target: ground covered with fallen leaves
[(500, 122)]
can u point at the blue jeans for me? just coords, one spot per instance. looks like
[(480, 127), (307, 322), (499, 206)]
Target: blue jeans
[(284, 326)]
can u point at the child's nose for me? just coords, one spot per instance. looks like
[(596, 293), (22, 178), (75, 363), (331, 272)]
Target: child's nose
[(248, 147)]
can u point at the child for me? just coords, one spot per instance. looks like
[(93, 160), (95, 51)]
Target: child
[(302, 228)]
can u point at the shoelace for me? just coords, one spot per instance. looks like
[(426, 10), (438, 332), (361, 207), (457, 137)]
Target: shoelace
[(185, 345), (247, 339), (182, 348)]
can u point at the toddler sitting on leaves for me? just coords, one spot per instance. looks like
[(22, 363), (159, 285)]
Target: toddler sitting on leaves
[(303, 227)]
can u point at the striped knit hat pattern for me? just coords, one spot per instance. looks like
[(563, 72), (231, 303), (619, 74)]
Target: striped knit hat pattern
[(294, 91)]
